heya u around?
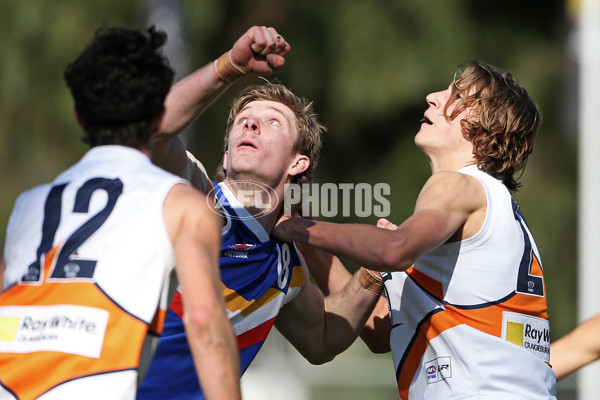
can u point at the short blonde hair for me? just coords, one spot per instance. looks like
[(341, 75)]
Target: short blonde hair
[(309, 129)]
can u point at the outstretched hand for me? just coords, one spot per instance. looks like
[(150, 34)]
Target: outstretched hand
[(279, 230), (260, 50)]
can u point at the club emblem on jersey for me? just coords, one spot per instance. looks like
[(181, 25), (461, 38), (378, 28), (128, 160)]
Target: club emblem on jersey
[(239, 250), (431, 372), (438, 369), (242, 246)]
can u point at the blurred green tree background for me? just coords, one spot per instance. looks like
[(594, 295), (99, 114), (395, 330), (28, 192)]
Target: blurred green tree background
[(367, 64)]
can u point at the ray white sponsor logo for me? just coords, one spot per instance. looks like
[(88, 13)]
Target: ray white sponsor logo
[(530, 333), (63, 328)]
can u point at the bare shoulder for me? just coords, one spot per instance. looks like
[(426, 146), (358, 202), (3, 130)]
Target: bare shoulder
[(185, 205), (460, 198), (453, 187)]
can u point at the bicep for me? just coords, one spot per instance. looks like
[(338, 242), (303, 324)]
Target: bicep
[(444, 206)]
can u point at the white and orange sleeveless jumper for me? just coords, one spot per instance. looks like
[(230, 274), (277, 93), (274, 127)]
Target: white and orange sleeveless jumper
[(469, 319), (88, 262)]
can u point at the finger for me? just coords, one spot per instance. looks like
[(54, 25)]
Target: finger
[(275, 61), (384, 223), (281, 46), (272, 34), (258, 38), (267, 41)]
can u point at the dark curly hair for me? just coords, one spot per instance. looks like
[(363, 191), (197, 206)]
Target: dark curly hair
[(119, 83), (309, 129), (502, 123)]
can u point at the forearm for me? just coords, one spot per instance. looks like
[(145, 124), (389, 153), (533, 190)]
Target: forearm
[(346, 314), (327, 270), (332, 276), (216, 358), (379, 248), (375, 332), (377, 329), (190, 97), (322, 328), (260, 50), (576, 349), (565, 359)]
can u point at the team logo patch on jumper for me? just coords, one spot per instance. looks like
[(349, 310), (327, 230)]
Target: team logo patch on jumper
[(530, 333), (243, 246), (62, 328), (239, 250), (438, 369)]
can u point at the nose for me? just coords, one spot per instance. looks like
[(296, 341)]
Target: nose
[(433, 99), (252, 125)]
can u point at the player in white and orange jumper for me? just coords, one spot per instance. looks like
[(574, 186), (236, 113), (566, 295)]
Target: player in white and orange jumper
[(467, 299), (88, 258)]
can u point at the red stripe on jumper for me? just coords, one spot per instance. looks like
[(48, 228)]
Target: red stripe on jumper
[(255, 335)]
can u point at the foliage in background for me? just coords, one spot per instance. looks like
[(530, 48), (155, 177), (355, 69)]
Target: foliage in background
[(367, 64)]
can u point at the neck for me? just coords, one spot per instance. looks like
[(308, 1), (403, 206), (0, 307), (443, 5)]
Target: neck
[(260, 200), (450, 163)]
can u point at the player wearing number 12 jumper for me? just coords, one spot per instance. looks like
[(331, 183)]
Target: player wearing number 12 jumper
[(88, 258)]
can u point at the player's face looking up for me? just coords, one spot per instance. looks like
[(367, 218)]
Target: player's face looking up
[(439, 132), (261, 144)]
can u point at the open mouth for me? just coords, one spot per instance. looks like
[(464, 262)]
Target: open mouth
[(247, 144), (426, 120)]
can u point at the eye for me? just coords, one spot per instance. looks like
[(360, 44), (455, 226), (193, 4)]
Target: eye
[(273, 122), (242, 121)]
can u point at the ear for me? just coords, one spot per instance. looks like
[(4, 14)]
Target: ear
[(156, 124), (300, 164), (78, 118), (225, 161)]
